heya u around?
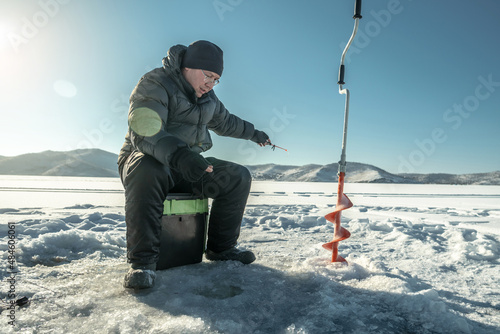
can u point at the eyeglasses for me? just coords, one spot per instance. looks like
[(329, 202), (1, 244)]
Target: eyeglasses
[(211, 80)]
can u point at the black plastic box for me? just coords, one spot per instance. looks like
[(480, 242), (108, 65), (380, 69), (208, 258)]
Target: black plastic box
[(184, 230)]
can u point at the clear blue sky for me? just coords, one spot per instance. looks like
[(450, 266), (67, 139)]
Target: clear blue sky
[(424, 76)]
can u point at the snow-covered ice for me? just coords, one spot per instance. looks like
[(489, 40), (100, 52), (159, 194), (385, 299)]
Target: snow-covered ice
[(422, 259)]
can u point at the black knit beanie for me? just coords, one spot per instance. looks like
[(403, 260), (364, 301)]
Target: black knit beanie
[(204, 55)]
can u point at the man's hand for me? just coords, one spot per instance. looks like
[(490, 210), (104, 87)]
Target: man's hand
[(261, 138), (191, 164)]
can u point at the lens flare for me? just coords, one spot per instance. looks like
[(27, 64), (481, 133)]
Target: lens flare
[(65, 88)]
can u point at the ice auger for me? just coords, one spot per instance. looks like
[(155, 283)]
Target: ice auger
[(343, 201)]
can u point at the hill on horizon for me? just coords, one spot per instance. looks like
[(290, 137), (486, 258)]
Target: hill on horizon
[(82, 162)]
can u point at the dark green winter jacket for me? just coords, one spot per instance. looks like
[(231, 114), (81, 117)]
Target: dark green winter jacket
[(163, 99)]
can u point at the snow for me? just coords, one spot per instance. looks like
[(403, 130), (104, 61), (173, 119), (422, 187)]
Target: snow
[(422, 259)]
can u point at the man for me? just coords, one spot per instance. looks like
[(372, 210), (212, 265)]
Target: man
[(171, 110)]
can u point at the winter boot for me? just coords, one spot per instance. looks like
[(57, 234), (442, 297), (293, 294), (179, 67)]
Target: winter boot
[(231, 254), (140, 276)]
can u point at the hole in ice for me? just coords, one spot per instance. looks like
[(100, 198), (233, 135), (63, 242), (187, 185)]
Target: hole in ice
[(220, 292)]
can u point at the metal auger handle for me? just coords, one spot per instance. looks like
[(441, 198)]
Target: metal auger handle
[(357, 16)]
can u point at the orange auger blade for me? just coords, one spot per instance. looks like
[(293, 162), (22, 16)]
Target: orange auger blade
[(339, 233)]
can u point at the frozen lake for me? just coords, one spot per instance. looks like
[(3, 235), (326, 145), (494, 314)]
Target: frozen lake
[(422, 259)]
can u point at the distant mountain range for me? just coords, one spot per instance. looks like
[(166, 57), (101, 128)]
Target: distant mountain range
[(356, 172), (99, 163), (364, 173)]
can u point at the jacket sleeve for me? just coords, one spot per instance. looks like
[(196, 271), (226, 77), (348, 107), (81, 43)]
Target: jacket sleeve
[(226, 124), (147, 117)]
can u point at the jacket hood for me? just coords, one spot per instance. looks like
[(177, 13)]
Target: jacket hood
[(172, 62), (172, 66)]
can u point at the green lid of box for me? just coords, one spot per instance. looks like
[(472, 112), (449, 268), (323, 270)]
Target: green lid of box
[(182, 206)]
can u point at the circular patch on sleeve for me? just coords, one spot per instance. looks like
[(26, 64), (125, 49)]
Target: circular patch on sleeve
[(145, 122)]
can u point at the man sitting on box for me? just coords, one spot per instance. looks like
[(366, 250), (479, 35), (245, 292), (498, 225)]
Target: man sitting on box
[(171, 110)]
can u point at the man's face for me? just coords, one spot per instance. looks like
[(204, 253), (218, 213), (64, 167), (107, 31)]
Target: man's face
[(197, 79)]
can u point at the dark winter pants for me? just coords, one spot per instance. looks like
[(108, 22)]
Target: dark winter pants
[(147, 183)]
